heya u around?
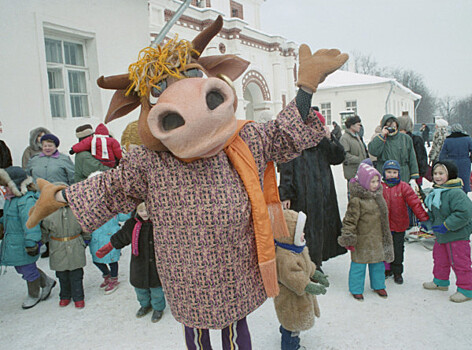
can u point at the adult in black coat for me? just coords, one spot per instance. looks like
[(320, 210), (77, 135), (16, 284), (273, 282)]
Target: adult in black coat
[(405, 125), (337, 132), (425, 132), (307, 184)]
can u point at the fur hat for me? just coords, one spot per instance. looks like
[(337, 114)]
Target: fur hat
[(50, 137), (364, 175), (84, 131), (351, 121), (457, 128), (295, 225), (130, 136), (405, 123), (451, 168), (441, 123), (16, 179)]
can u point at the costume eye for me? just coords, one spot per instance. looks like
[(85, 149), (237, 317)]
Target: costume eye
[(157, 91), (194, 73)]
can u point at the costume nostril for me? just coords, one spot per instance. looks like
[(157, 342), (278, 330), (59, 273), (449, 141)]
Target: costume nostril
[(172, 121), (213, 99)]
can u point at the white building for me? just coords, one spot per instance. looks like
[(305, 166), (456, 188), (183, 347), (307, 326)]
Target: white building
[(370, 97), (269, 82), (52, 54)]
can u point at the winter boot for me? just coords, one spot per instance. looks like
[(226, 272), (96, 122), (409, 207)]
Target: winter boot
[(358, 297), (381, 292), (458, 297), (143, 311), (397, 278), (290, 340), (79, 304), (46, 253), (64, 302), (106, 280), (434, 286), (33, 294), (388, 273), (112, 285), (156, 316), (47, 284)]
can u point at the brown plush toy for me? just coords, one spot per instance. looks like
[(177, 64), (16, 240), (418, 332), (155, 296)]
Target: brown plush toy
[(296, 305)]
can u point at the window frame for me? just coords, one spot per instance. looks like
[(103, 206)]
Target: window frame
[(65, 69), (326, 111), (350, 108)]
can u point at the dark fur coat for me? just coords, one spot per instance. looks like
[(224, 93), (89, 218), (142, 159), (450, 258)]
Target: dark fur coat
[(308, 182)]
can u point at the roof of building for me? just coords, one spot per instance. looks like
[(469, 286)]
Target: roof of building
[(342, 78)]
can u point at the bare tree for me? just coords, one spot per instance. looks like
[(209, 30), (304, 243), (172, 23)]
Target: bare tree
[(462, 113), (365, 64), (447, 107)]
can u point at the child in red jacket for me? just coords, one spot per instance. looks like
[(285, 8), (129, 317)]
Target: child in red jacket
[(102, 146), (398, 194)]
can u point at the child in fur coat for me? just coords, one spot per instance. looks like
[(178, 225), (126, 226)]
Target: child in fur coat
[(296, 305), (366, 232)]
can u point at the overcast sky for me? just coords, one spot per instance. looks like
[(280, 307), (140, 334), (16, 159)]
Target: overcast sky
[(431, 37)]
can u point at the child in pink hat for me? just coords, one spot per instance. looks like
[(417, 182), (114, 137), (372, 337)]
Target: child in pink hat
[(366, 232)]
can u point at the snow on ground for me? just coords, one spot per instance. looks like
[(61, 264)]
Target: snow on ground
[(411, 317)]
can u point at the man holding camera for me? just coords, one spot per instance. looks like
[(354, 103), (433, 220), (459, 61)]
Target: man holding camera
[(390, 144)]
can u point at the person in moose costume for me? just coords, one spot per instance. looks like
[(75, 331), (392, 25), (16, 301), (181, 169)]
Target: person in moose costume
[(201, 173)]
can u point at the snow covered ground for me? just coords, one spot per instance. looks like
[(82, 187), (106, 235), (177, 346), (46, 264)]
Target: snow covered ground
[(411, 317)]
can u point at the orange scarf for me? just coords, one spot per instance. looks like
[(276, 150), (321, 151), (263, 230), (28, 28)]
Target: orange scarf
[(267, 213)]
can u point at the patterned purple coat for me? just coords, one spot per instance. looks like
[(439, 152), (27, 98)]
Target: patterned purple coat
[(203, 231)]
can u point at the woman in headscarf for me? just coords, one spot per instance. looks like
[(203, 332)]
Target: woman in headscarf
[(458, 148), (438, 140)]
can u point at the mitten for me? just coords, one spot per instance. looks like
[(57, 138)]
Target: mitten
[(351, 248), (315, 68), (46, 204), (71, 151), (32, 251), (320, 277), (107, 248), (440, 229), (315, 289)]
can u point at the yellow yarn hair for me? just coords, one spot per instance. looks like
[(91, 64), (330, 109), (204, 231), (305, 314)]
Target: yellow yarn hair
[(154, 63), (130, 136)]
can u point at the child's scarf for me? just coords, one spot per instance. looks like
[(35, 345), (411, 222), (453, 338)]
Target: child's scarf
[(292, 247), (392, 182), (103, 140), (135, 237)]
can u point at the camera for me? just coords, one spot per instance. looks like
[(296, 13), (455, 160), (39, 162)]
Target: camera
[(390, 129)]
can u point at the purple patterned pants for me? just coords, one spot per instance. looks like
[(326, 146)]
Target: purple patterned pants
[(235, 336)]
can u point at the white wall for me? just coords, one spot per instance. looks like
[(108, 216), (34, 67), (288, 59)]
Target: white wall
[(371, 101), (116, 31)]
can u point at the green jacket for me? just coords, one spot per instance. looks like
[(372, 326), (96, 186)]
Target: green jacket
[(85, 164), (355, 153), (65, 252), (398, 147), (455, 211)]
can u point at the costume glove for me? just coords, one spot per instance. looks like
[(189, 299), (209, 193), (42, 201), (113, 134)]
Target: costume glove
[(320, 277), (107, 248), (314, 68), (32, 251), (440, 229), (351, 248), (315, 289), (46, 204)]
